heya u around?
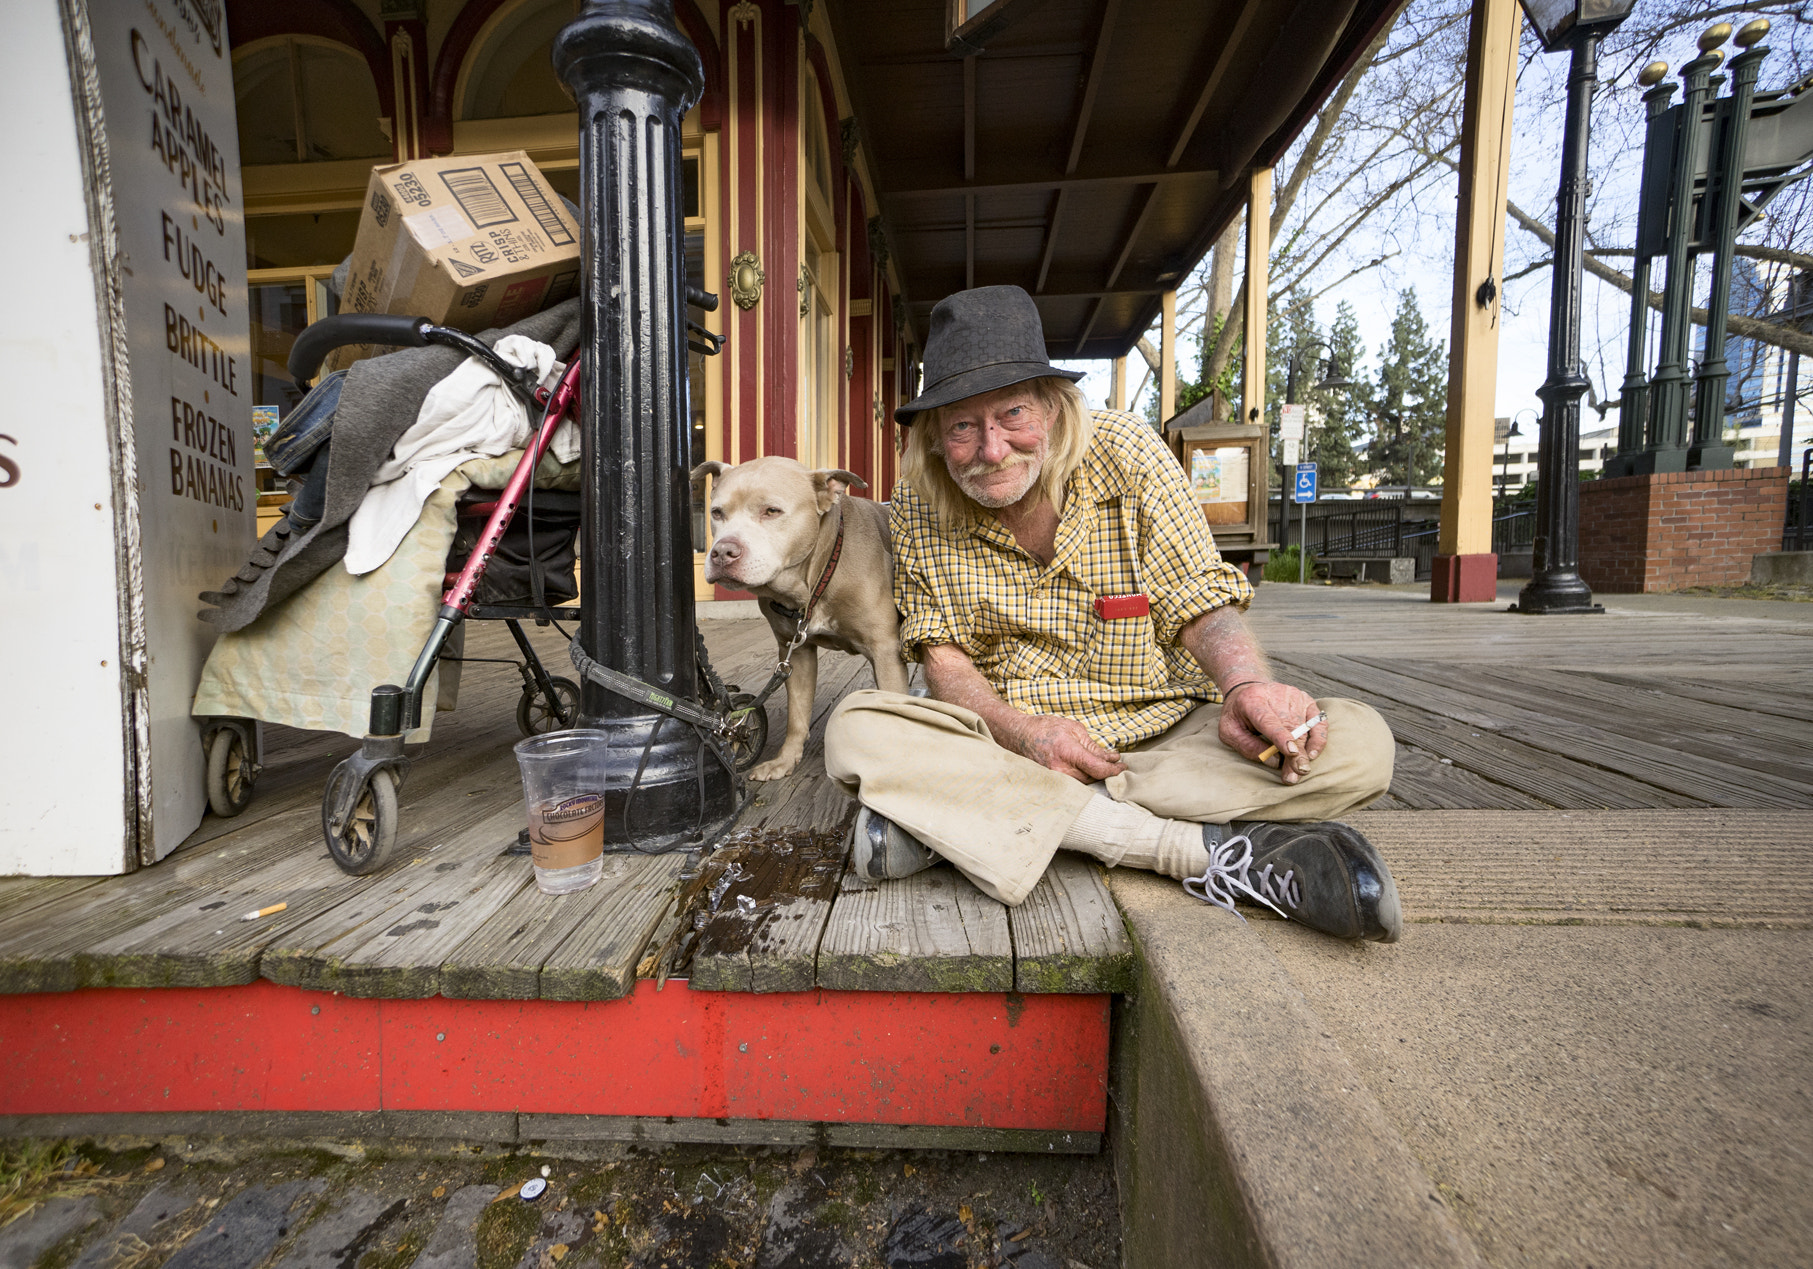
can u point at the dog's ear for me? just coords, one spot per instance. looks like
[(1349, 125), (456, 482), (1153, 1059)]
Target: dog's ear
[(711, 467), (831, 482)]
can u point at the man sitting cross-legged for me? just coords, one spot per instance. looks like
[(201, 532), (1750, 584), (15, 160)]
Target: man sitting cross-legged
[(1093, 683)]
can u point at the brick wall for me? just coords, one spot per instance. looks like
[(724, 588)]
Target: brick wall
[(1664, 532)]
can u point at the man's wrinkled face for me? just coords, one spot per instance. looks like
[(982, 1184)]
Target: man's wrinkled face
[(995, 445)]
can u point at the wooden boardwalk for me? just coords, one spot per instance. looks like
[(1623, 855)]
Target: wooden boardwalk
[(457, 917), (1640, 709)]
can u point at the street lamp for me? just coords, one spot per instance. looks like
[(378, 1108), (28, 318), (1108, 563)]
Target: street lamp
[(1504, 459), (1556, 585)]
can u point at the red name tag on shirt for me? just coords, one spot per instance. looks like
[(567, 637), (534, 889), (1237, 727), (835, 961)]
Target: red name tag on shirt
[(1116, 607)]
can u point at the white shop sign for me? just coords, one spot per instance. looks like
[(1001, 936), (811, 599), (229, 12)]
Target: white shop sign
[(126, 469)]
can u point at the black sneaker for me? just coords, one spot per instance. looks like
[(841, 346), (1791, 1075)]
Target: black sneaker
[(1326, 876), (881, 850)]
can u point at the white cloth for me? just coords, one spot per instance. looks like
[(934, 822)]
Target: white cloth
[(469, 414)]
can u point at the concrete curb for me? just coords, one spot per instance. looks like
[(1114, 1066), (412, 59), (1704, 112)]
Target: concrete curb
[(1243, 1135)]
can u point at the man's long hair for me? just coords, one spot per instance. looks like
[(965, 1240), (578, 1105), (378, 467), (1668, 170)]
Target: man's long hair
[(1072, 428)]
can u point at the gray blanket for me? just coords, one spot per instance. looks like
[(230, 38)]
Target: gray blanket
[(381, 399)]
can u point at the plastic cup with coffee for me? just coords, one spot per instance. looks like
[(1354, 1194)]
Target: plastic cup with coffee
[(564, 780)]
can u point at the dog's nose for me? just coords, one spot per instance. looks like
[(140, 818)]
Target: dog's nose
[(726, 551)]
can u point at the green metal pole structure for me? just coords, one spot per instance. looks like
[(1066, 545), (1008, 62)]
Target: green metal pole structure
[(1724, 192), (1667, 450), (1633, 399)]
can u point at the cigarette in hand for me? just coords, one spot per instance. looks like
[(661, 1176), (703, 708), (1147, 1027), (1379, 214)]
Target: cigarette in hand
[(264, 912), (1297, 733)]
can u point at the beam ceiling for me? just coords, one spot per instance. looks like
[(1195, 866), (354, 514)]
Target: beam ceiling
[(1087, 150)]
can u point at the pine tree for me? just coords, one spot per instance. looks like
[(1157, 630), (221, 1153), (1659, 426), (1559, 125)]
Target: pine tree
[(1410, 401), (1343, 412)]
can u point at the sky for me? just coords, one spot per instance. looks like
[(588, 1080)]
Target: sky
[(1614, 163)]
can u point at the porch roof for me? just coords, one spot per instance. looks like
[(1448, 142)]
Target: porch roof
[(1090, 151)]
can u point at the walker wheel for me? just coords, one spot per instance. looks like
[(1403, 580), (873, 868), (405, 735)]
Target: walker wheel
[(231, 772), (369, 837), (534, 718), (750, 734)]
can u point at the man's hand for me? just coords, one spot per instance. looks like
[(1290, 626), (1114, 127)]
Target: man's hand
[(1263, 714), (1051, 740), (1064, 745)]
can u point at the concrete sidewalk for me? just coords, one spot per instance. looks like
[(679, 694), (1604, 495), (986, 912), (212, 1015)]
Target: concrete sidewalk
[(1552, 1092), (1593, 1046)]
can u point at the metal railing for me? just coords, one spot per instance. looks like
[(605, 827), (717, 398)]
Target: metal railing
[(1513, 532)]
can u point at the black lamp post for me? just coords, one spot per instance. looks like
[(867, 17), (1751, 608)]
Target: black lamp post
[(635, 75), (1556, 586), (1503, 459)]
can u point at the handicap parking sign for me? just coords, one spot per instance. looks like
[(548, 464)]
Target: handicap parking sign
[(1306, 483)]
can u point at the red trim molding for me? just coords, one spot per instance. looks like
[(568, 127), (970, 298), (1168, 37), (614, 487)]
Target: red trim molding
[(985, 1060), (711, 105)]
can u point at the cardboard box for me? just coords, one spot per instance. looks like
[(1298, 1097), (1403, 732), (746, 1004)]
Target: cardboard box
[(470, 241)]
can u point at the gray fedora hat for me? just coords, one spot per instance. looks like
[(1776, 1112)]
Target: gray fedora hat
[(981, 340)]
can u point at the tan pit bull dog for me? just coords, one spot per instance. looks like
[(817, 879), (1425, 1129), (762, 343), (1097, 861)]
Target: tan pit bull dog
[(774, 525)]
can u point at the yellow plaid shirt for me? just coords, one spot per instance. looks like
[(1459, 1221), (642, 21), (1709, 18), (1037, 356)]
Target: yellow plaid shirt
[(1130, 526)]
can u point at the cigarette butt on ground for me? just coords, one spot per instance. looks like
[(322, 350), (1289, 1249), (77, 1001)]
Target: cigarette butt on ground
[(264, 912), (1297, 733)]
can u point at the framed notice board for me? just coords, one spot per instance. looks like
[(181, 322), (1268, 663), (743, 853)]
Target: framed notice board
[(1228, 467)]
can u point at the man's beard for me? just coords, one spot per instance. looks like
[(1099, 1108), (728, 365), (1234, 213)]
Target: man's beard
[(1028, 466)]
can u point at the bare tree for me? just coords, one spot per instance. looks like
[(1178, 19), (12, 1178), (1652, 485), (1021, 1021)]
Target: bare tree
[(1369, 187)]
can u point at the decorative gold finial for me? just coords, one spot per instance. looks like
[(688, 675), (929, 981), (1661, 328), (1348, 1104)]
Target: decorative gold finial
[(1714, 35), (1652, 74), (1752, 32)]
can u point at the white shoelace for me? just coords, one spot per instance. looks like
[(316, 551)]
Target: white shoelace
[(1227, 874)]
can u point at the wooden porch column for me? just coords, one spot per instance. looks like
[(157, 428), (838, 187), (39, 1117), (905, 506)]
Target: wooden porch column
[(1167, 356), (1465, 569), (1117, 385), (1258, 284)]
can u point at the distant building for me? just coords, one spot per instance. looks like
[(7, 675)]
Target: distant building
[(1758, 386), (1514, 460)]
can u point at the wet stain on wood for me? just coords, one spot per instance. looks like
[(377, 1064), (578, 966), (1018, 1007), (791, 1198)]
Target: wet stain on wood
[(741, 900)]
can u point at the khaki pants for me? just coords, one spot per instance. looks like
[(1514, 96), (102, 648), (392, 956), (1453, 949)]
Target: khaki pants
[(935, 770)]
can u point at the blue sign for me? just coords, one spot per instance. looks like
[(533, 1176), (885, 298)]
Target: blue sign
[(1306, 483)]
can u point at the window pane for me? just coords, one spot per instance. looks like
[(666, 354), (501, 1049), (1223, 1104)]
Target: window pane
[(339, 106), (300, 240), (513, 74), (279, 312), (689, 186)]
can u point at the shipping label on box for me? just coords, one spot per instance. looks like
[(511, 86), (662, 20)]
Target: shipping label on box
[(469, 241)]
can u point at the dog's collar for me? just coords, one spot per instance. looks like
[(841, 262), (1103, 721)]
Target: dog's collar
[(824, 578), (801, 618)]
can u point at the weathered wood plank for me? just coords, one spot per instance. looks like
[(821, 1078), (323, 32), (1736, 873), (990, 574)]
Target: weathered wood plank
[(1752, 755), (38, 948), (806, 798), (933, 931), (1474, 743), (566, 947), (1421, 780), (1664, 698), (1584, 745), (762, 933), (1789, 701), (1068, 935), (204, 943), (389, 941)]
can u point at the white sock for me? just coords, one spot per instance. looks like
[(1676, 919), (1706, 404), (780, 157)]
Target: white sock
[(1127, 836)]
